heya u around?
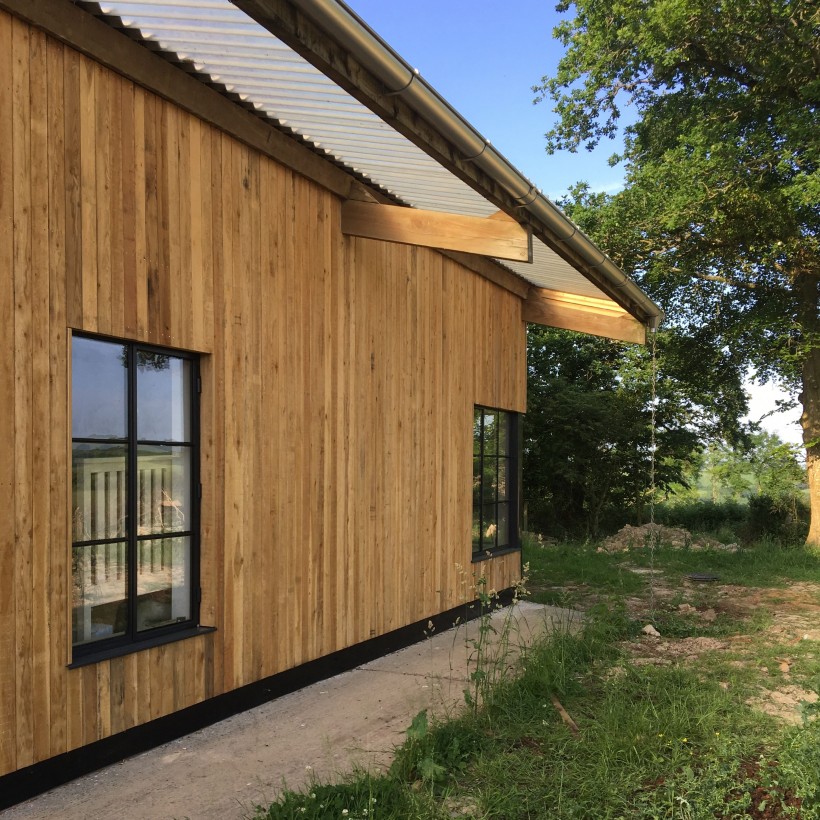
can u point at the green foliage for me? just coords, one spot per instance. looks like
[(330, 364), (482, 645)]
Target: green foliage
[(435, 754), (720, 215), (726, 471), (704, 516), (554, 568), (775, 468), (782, 521), (784, 518), (587, 439), (362, 797), (587, 432), (762, 465), (725, 130)]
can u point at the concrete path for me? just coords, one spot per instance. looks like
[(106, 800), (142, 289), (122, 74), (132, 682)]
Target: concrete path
[(324, 730)]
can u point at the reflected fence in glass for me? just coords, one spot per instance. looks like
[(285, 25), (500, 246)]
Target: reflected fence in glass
[(163, 489), (99, 478), (163, 565), (100, 573), (163, 582)]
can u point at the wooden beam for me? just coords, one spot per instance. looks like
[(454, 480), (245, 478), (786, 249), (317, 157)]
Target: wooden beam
[(500, 238), (599, 317)]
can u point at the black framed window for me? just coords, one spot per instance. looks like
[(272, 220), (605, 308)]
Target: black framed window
[(496, 450), (135, 461)]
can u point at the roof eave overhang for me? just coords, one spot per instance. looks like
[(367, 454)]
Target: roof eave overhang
[(336, 41)]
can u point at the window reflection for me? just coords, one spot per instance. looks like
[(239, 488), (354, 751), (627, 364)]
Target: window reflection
[(163, 585), (98, 488), (163, 397), (98, 389), (100, 574), (494, 480), (133, 461)]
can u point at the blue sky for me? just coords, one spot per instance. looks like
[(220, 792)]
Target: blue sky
[(484, 57), (485, 63)]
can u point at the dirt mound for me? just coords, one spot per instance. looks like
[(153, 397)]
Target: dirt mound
[(647, 535), (784, 703)]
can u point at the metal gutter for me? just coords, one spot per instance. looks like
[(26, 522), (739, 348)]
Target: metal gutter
[(351, 32)]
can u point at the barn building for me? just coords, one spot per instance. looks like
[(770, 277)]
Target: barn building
[(263, 296)]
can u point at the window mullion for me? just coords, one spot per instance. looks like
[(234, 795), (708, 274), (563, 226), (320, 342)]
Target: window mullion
[(132, 492), (481, 472)]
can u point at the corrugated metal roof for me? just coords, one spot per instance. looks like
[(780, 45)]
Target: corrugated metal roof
[(237, 53)]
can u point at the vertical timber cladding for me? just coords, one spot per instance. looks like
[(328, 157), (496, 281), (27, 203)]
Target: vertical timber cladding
[(339, 379)]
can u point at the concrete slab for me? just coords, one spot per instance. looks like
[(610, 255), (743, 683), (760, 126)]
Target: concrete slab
[(326, 730)]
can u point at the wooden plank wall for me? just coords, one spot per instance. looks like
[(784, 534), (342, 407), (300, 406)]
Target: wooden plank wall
[(339, 377)]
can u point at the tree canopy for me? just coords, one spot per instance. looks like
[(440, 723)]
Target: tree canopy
[(587, 442), (587, 445), (719, 218)]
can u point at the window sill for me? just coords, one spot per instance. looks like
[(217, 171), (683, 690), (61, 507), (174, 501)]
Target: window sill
[(489, 555), (148, 643)]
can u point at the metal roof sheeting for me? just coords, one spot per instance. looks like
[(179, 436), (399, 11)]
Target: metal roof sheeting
[(240, 55)]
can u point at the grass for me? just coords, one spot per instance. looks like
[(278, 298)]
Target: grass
[(764, 565), (555, 570), (672, 738)]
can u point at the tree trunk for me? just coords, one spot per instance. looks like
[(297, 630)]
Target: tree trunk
[(809, 291), (810, 421)]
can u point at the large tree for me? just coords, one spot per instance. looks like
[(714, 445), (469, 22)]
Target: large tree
[(719, 217)]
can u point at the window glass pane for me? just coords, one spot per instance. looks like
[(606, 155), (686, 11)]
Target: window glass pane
[(100, 574), (163, 489), (504, 434), (163, 582), (477, 432), (98, 389), (476, 527), (503, 479), (98, 487), (163, 397), (490, 527), (490, 432), (489, 479), (503, 525)]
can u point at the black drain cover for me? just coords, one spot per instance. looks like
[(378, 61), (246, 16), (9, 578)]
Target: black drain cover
[(702, 577)]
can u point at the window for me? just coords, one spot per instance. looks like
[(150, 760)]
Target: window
[(134, 493), (495, 480)]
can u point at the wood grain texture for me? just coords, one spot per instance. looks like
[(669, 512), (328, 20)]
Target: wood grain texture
[(23, 388), (499, 238), (58, 564), (8, 603), (41, 409), (339, 379), (585, 314)]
